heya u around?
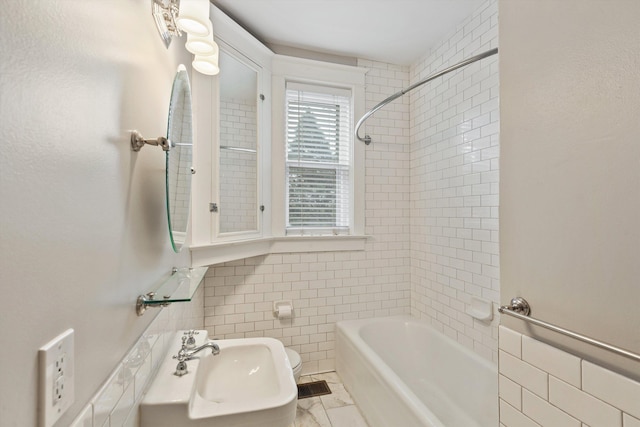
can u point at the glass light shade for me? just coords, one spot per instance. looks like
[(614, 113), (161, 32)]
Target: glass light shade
[(206, 64), (193, 17), (202, 46)]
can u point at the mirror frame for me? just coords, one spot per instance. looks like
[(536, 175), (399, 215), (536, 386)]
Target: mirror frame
[(180, 135)]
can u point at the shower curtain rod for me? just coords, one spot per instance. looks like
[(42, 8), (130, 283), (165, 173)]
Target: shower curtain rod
[(367, 138)]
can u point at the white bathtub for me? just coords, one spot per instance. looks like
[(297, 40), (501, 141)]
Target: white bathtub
[(402, 373)]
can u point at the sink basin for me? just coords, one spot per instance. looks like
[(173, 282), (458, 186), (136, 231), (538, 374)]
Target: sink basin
[(248, 384)]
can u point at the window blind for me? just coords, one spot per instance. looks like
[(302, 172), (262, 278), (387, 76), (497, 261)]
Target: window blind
[(318, 158)]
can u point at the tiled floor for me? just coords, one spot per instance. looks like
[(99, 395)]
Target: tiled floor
[(331, 410)]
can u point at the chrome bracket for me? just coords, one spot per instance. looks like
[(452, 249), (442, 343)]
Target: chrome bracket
[(138, 141), (165, 13), (518, 305), (143, 302)]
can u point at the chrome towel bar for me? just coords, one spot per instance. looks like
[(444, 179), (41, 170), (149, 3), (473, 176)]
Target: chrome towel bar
[(519, 308)]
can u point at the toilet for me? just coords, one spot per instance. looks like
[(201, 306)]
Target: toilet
[(295, 361)]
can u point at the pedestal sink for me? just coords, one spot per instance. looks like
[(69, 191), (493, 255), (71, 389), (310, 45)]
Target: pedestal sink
[(249, 384)]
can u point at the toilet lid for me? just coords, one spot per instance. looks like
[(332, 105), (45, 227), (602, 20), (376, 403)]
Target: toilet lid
[(294, 357)]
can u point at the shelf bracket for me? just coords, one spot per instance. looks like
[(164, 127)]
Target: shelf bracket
[(179, 287), (144, 301)]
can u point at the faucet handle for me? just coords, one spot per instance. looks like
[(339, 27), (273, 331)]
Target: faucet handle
[(191, 340), (182, 353), (184, 344)]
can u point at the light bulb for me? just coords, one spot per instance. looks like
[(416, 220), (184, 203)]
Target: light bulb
[(193, 17), (206, 64), (203, 46)]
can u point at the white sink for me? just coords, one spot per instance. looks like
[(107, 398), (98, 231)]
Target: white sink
[(248, 384)]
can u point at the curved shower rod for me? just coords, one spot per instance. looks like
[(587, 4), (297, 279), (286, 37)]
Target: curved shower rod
[(367, 138)]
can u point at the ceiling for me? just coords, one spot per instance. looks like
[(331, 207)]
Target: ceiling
[(394, 31)]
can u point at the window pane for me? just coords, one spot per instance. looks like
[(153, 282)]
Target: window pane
[(318, 159), (312, 197), (313, 132)]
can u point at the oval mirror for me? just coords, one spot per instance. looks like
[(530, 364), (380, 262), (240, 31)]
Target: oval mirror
[(179, 159)]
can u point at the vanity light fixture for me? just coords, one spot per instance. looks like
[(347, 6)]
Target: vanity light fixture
[(173, 17), (193, 17), (202, 45), (206, 64)]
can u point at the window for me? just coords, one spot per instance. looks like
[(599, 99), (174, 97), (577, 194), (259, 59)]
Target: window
[(318, 159)]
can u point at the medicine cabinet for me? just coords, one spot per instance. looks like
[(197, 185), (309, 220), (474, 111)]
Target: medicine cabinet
[(240, 172), (233, 129), (237, 196)]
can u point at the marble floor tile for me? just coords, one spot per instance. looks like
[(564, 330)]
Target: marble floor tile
[(339, 396), (331, 410), (311, 413), (346, 416), (329, 377), (304, 379)]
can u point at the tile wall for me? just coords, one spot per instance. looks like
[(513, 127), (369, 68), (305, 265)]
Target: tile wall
[(238, 178), (326, 287), (454, 184), (541, 385), (116, 403), (442, 187)]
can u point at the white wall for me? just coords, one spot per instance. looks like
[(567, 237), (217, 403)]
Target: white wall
[(83, 228), (570, 174), (454, 184)]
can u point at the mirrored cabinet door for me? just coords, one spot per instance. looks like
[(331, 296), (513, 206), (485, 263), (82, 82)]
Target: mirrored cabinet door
[(238, 149)]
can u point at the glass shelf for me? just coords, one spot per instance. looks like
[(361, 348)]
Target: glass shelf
[(179, 287)]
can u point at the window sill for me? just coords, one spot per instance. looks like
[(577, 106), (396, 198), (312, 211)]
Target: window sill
[(205, 255)]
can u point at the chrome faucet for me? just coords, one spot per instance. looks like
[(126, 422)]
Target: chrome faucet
[(184, 355)]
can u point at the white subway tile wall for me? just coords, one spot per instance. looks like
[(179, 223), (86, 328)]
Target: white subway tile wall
[(575, 393), (326, 287), (116, 403), (238, 177), (454, 184), (456, 237)]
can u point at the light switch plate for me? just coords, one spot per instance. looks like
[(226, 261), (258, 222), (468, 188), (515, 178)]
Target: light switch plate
[(56, 378)]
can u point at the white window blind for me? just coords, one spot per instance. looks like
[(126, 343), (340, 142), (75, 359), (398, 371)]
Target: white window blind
[(318, 159)]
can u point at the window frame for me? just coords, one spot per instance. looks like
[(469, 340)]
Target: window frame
[(343, 171), (314, 73)]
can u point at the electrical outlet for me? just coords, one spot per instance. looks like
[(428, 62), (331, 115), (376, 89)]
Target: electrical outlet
[(56, 391)]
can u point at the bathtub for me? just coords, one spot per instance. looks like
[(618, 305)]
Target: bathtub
[(402, 373)]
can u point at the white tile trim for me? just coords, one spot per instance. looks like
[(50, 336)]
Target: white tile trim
[(602, 397)]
